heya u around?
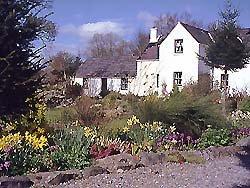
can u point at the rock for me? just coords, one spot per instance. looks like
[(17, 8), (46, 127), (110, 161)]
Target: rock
[(15, 182), (122, 161), (174, 156), (245, 142), (223, 151), (94, 171), (120, 171), (63, 177), (148, 159)]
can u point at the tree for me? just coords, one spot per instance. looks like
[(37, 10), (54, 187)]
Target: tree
[(22, 23), (166, 22), (140, 42), (63, 67), (227, 51), (107, 46)]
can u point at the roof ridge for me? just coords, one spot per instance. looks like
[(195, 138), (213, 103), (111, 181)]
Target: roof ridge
[(194, 27)]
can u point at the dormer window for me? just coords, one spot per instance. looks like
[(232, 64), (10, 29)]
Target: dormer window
[(178, 46)]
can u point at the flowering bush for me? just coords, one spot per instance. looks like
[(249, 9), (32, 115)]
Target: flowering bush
[(20, 153), (70, 149), (175, 140), (240, 118), (239, 133)]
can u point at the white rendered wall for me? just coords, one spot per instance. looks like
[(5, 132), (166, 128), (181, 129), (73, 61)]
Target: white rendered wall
[(113, 84), (239, 80), (186, 62), (146, 79)]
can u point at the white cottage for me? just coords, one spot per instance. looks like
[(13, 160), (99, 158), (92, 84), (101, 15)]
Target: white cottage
[(98, 76), (167, 61)]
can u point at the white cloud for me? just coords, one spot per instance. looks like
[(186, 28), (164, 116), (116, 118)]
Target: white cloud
[(147, 18), (86, 31)]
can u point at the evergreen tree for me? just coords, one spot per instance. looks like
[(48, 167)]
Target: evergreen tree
[(227, 51), (23, 23)]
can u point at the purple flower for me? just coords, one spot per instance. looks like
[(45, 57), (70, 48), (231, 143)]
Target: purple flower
[(6, 165)]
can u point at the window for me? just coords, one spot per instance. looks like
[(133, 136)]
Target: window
[(178, 46), (178, 78), (124, 83), (85, 83), (224, 79), (157, 80)]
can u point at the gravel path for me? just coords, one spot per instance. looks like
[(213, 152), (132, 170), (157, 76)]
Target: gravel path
[(225, 172)]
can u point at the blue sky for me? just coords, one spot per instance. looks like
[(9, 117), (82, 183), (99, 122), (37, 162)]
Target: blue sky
[(78, 20)]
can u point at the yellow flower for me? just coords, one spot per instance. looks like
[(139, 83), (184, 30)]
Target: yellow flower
[(36, 142), (10, 140), (125, 129), (89, 133), (172, 129), (135, 120), (40, 130), (156, 126), (129, 122)]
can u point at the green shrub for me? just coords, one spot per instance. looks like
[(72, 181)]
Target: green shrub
[(214, 137), (73, 91), (244, 105), (113, 128), (188, 112), (63, 115), (88, 112), (72, 149), (151, 108)]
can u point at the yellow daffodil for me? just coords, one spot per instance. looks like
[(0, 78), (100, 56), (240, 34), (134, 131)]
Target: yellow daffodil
[(125, 130)]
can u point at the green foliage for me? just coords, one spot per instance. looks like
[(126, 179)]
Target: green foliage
[(227, 51), (63, 115), (244, 105), (113, 128), (31, 121), (111, 100), (20, 61), (72, 150), (88, 111), (73, 91), (214, 137), (188, 112), (151, 108)]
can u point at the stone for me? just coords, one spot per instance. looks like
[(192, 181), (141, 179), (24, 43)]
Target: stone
[(245, 142), (148, 159), (122, 161), (223, 151), (62, 178), (94, 171), (15, 182)]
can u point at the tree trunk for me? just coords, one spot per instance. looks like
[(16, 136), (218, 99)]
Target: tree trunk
[(224, 93)]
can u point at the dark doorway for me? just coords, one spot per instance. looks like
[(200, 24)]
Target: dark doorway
[(104, 88)]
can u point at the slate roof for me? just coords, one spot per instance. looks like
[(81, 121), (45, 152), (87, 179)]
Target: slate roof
[(151, 52), (107, 68), (245, 34), (199, 34)]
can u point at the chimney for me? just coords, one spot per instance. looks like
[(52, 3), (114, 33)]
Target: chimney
[(153, 35)]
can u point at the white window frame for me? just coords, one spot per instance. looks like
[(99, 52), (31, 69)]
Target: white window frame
[(178, 46), (177, 78), (124, 83)]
